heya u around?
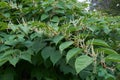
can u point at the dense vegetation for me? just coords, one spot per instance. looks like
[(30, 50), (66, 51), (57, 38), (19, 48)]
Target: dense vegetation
[(57, 40), (112, 7)]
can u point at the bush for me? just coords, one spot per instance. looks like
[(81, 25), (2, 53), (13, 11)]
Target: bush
[(57, 40), (114, 7)]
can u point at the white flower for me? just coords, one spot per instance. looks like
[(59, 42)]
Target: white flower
[(118, 5)]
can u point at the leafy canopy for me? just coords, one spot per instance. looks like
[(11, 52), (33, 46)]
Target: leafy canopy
[(40, 37)]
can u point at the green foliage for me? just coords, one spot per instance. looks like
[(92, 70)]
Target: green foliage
[(72, 52), (81, 62), (97, 42), (65, 45), (57, 40)]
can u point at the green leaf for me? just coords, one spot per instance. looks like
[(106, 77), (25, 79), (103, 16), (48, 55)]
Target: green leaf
[(54, 26), (118, 66), (14, 60), (60, 5), (44, 16), (93, 28), (38, 45), (97, 42), (72, 29), (3, 26), (57, 39), (52, 53), (65, 45), (55, 56), (113, 58), (24, 28), (69, 6), (82, 62), (67, 69), (46, 52), (7, 15), (106, 50), (3, 61), (26, 55), (109, 77), (59, 11), (55, 19), (11, 52), (50, 1), (3, 4), (101, 72), (3, 48), (106, 29), (71, 53), (13, 27), (48, 9)]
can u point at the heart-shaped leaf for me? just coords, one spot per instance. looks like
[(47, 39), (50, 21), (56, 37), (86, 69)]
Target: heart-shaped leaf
[(46, 52), (71, 53), (14, 60), (55, 56), (82, 62)]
